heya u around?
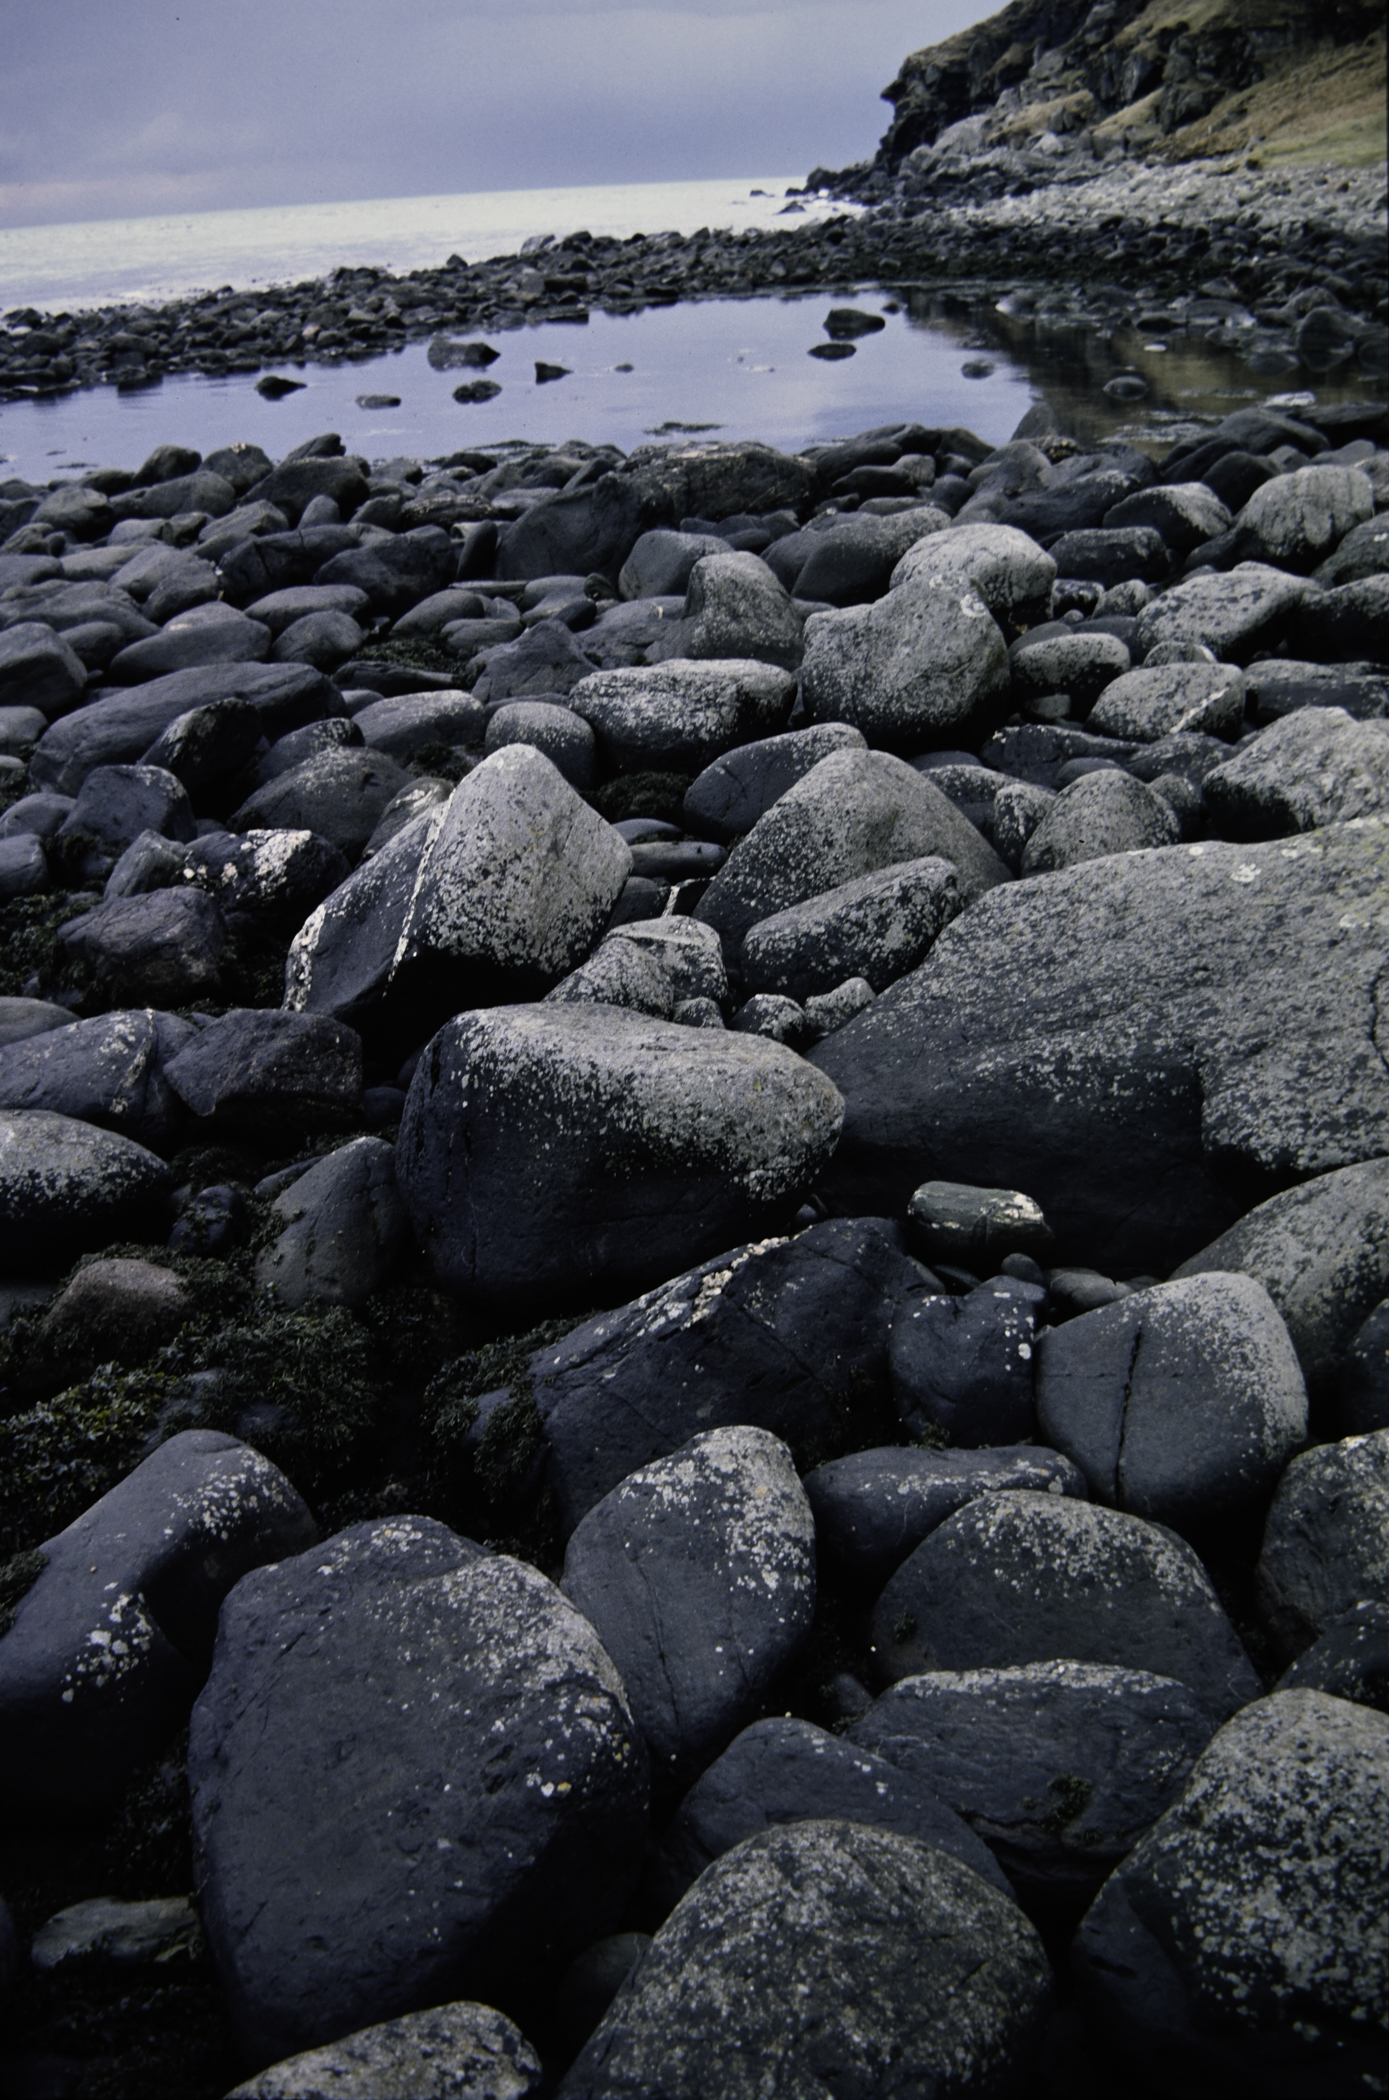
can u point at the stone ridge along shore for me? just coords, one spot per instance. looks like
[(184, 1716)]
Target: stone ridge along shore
[(1119, 235)]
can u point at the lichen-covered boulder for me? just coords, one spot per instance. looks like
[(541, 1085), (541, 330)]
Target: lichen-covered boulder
[(1241, 1946), (826, 1957), (579, 1148), (698, 1572), (412, 1767)]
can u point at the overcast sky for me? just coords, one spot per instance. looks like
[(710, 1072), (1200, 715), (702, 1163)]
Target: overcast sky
[(177, 105)]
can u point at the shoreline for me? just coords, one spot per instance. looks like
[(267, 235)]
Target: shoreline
[(1276, 242)]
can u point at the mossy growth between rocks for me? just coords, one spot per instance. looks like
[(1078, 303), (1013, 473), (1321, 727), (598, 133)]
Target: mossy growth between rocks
[(31, 962), (659, 795)]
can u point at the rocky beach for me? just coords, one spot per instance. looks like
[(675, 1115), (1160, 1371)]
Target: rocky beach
[(694, 1168)]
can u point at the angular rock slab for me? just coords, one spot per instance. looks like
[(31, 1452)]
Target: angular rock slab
[(788, 1334), (65, 1186), (873, 1507), (256, 1062), (581, 1147), (682, 715), (1241, 1946), (1315, 767), (698, 1573), (823, 1959), (1182, 1403), (340, 959), (104, 1071), (853, 813), (1021, 1578), (1321, 1251), (1059, 1767), (876, 927), (516, 883), (1326, 1542), (412, 1767), (783, 1770), (1232, 615), (1118, 1038), (453, 2052), (103, 1658)]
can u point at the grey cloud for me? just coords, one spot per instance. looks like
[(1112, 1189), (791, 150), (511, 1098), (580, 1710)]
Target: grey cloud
[(203, 104)]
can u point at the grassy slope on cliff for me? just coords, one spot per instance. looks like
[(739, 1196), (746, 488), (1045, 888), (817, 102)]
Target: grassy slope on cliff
[(1298, 81)]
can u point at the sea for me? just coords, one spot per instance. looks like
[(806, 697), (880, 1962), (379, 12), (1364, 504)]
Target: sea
[(734, 368)]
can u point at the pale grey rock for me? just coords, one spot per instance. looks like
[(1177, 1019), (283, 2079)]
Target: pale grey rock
[(825, 1951), (342, 1227), (1321, 1251), (926, 663), (339, 795), (581, 1147), (399, 726), (1233, 615), (1149, 704), (1019, 807), (852, 814), (564, 737), (1180, 1403), (618, 973), (1184, 512), (1096, 816), (679, 716), (1004, 567), (689, 953), (1075, 661), (875, 926), (39, 670), (1313, 768), (698, 1572), (826, 1011), (1326, 1543), (1116, 1037), (660, 563), (774, 1016), (517, 881), (1297, 519), (735, 610), (453, 2052)]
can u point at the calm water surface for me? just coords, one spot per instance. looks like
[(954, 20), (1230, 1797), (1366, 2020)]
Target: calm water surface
[(727, 367)]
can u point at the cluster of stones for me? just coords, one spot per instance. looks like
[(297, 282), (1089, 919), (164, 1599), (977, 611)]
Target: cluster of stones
[(874, 921)]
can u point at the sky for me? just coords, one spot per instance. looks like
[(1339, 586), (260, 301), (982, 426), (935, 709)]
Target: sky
[(203, 105)]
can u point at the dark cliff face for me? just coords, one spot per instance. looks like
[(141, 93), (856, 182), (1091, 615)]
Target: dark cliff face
[(1089, 62)]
